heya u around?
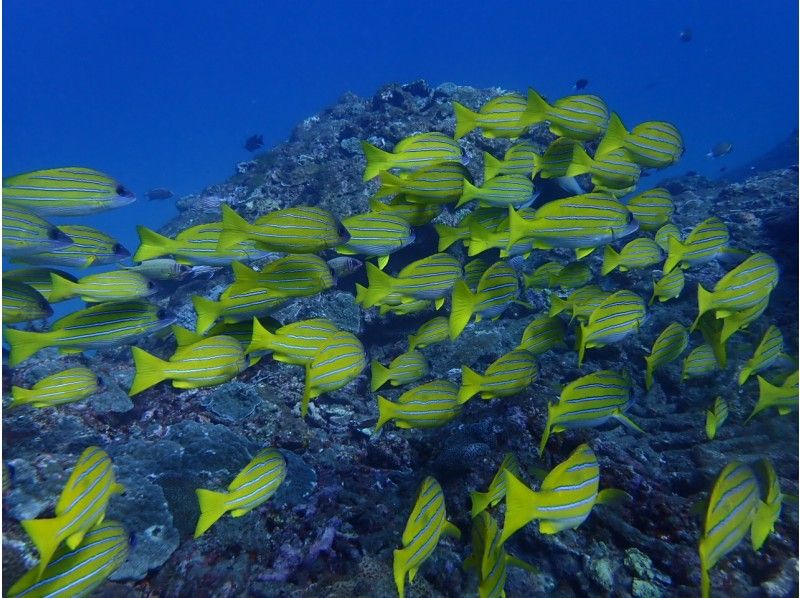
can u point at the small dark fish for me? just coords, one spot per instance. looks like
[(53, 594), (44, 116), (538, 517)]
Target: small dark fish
[(344, 265), (691, 173), (159, 193), (581, 84), (686, 35), (720, 149), (254, 142)]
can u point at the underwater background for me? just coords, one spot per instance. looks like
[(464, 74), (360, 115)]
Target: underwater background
[(167, 95)]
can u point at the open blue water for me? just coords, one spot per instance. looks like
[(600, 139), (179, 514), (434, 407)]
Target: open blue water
[(165, 93)]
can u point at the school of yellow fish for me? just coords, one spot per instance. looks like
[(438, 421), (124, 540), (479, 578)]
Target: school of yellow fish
[(422, 174)]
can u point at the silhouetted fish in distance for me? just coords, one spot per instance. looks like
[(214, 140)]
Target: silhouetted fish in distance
[(685, 35), (159, 193), (254, 142), (581, 84), (719, 149)]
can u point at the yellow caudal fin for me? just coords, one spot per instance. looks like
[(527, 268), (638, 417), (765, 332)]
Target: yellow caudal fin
[(745, 374), (151, 245), (471, 382), (235, 229), (391, 184), (24, 344), (536, 110), (377, 160), (480, 502), (447, 236), (518, 228), (469, 193), (361, 294), (705, 302), (380, 375), (491, 166), (581, 162), (557, 305), (184, 336), (244, 275), (466, 120), (44, 533), (61, 288), (399, 570), (520, 506), (547, 427), (610, 260), (614, 137), (763, 524), (463, 304), (261, 339), (21, 396), (212, 507), (208, 312), (380, 285), (580, 343), (386, 412), (711, 425), (149, 371), (648, 375), (675, 253), (308, 392)]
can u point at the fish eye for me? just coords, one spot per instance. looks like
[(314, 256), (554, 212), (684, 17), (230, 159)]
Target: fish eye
[(54, 234), (132, 540), (343, 232), (162, 314), (151, 285), (100, 382), (123, 192)]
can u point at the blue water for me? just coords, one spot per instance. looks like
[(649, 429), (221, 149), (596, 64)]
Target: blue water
[(164, 94)]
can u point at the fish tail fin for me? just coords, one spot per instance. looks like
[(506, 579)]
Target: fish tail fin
[(614, 136), (648, 375), (652, 297), (480, 502), (361, 294), (184, 336), (235, 229), (704, 304), (151, 244), (705, 582), (386, 411), (466, 120), (447, 235), (468, 194), (212, 507), (243, 274), (149, 371), (546, 432), (21, 396), (412, 342), (763, 524), (377, 160), (471, 382), (491, 166), (557, 305), (208, 312), (711, 425), (391, 184), (261, 338), (307, 392), (580, 343), (520, 506), (581, 163), (61, 288), (380, 375), (380, 285), (517, 228), (675, 252), (24, 344), (610, 260), (479, 241), (399, 570), (767, 394), (536, 109), (44, 533), (463, 304), (746, 372)]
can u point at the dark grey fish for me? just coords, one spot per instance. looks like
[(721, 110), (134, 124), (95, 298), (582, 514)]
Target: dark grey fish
[(686, 35), (159, 193), (720, 149), (344, 265), (254, 142), (581, 84)]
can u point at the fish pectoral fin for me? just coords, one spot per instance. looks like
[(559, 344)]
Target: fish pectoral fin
[(628, 422), (240, 512), (383, 261), (412, 573), (612, 496), (451, 530)]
